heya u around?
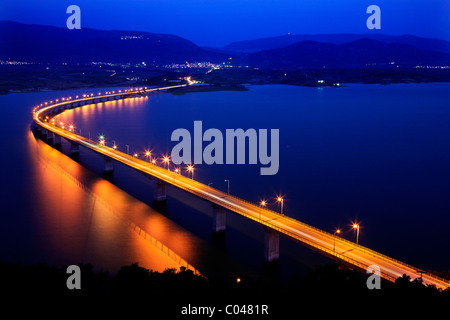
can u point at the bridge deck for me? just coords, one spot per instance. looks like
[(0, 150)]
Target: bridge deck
[(347, 251)]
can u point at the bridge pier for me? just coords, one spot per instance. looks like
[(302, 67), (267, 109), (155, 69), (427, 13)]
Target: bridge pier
[(49, 135), (271, 245), (44, 133), (160, 191), (74, 148), (109, 165), (57, 139), (219, 219)]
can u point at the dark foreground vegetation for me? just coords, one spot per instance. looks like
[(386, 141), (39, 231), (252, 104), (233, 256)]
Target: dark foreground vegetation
[(165, 293)]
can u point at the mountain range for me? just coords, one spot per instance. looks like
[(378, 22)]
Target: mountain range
[(39, 43), (52, 44), (287, 40)]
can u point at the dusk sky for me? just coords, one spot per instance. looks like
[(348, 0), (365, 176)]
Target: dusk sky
[(219, 22)]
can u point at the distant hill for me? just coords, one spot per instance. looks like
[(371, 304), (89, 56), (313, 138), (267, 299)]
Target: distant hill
[(287, 40), (354, 54), (39, 43), (52, 44)]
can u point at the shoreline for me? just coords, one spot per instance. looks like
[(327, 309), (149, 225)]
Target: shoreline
[(213, 87)]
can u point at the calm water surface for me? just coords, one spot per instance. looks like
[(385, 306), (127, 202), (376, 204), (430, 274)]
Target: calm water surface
[(378, 154)]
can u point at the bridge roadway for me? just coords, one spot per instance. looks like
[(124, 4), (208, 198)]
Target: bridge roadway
[(325, 243)]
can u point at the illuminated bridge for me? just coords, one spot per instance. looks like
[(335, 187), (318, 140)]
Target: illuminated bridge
[(275, 224)]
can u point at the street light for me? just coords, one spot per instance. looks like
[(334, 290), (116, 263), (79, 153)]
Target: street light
[(356, 226), (261, 204), (128, 149), (148, 154), (281, 200), (190, 168), (337, 231), (228, 185), (166, 161)]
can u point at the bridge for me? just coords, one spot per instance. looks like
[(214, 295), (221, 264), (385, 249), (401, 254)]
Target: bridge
[(274, 224)]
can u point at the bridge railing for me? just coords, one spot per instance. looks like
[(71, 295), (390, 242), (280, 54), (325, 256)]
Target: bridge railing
[(256, 207), (331, 236)]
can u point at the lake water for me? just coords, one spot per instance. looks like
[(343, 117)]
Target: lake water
[(376, 154)]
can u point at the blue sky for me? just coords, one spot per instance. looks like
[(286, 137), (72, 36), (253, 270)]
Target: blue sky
[(219, 22)]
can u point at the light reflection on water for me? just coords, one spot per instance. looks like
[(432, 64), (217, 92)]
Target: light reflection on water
[(376, 152), (100, 224)]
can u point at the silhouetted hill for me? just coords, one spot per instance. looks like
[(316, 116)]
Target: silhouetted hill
[(311, 54), (51, 44), (286, 40), (38, 43)]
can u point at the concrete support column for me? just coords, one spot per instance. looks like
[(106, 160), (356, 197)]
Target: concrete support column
[(219, 219), (160, 191), (109, 166), (49, 136), (57, 139), (271, 245), (74, 148)]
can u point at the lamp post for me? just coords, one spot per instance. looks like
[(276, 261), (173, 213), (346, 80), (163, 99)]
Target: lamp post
[(191, 169), (356, 226), (337, 231), (281, 200), (227, 180), (166, 161), (261, 204), (128, 149)]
